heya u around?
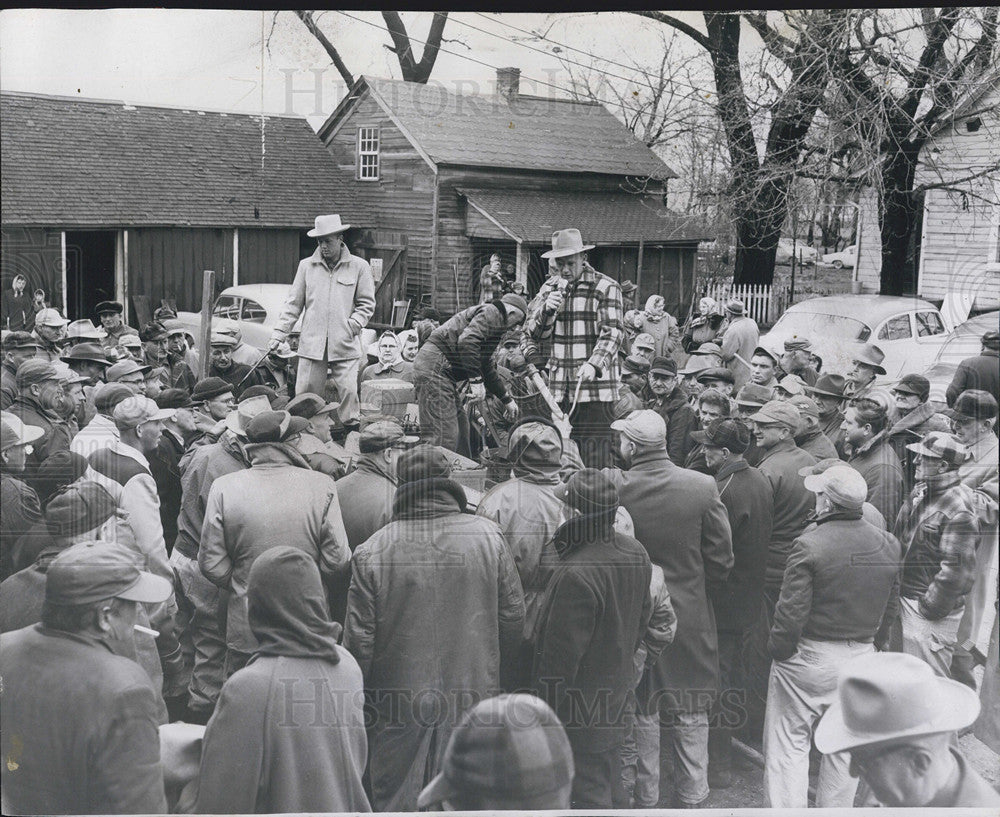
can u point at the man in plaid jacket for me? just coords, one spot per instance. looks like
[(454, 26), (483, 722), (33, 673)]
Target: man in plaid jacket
[(939, 530), (575, 324)]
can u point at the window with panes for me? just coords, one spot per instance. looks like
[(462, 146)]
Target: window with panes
[(368, 154)]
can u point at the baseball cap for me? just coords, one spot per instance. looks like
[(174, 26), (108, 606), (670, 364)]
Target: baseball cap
[(589, 492), (220, 339), (777, 412), (797, 344), (844, 485), (943, 446), (124, 368), (173, 326), (49, 317), (643, 426), (109, 395), (135, 410), (383, 434), (66, 375), (152, 331), (422, 462), (174, 399), (18, 340), (130, 340), (724, 432), (209, 387), (716, 373), (15, 432), (78, 508), (94, 571), (696, 364), (35, 371), (635, 365), (509, 749), (763, 350), (973, 404), (274, 427), (644, 340), (806, 406), (663, 365), (792, 384), (56, 472), (914, 384), (515, 300), (753, 394)]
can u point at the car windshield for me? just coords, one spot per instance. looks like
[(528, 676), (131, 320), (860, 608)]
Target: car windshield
[(816, 325)]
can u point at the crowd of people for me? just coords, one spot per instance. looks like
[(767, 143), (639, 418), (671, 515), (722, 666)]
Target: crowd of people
[(247, 592)]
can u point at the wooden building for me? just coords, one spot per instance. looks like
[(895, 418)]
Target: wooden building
[(957, 243), (104, 200), (451, 178)]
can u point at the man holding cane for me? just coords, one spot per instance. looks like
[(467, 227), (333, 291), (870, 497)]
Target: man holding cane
[(575, 324), (336, 291)]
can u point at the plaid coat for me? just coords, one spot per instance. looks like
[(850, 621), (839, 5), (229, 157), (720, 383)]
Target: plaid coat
[(939, 531), (587, 328)]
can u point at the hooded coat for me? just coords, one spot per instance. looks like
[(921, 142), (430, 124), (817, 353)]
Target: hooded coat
[(260, 753), (682, 523), (278, 500), (879, 465), (911, 428), (434, 610), (656, 321)]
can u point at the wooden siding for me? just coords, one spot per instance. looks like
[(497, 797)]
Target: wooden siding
[(35, 253), (960, 226), (269, 256), (167, 262), (402, 198)]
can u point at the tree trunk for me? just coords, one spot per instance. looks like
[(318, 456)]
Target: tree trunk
[(897, 219)]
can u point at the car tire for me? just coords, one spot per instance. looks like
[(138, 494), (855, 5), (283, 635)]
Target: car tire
[(838, 264)]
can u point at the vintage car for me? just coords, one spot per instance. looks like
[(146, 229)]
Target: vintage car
[(964, 342), (847, 257), (909, 331)]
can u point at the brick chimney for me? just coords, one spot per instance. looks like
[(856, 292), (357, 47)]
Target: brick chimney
[(508, 82)]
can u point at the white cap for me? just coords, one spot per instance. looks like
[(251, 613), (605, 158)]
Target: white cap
[(845, 486)]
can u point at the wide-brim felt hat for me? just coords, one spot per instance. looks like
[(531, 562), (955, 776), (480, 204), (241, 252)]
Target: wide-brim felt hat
[(90, 352), (567, 242), (829, 385), (870, 355), (328, 225)]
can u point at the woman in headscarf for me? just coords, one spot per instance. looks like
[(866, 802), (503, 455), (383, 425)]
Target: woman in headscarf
[(288, 733), (656, 321), (703, 327)]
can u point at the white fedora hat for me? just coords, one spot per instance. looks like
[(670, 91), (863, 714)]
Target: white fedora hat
[(566, 242), (328, 225)]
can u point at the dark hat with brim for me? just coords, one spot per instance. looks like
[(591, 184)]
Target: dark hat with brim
[(89, 572), (829, 385), (18, 340), (973, 404), (274, 427), (663, 365), (209, 388), (106, 307), (88, 352)]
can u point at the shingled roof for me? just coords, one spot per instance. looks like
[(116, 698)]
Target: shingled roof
[(90, 163), (602, 218), (531, 133)]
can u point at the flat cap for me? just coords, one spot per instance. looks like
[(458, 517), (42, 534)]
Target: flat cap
[(112, 307), (109, 395), (35, 371), (791, 384), (719, 373), (19, 340), (777, 412), (124, 368), (663, 365), (797, 344), (382, 434), (79, 508), (753, 394), (643, 426), (220, 339), (209, 387), (94, 571)]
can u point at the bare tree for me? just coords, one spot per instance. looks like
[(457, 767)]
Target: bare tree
[(413, 70)]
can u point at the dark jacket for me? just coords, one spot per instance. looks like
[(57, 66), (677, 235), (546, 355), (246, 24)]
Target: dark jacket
[(468, 340), (831, 426), (593, 618), (17, 312), (939, 530), (235, 375), (366, 496), (879, 465), (818, 444), (164, 465), (435, 604), (911, 428), (746, 493), (80, 733), (8, 385), (19, 512), (684, 527), (979, 372), (56, 437), (792, 503), (681, 420), (840, 584)]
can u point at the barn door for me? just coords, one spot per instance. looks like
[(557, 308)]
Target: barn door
[(386, 252)]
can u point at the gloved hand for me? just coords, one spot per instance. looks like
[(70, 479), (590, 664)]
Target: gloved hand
[(511, 411)]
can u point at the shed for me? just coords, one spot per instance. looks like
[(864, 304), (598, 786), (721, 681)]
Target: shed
[(105, 200)]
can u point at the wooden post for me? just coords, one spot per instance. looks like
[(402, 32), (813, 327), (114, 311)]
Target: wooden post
[(638, 274), (205, 330), (680, 278)]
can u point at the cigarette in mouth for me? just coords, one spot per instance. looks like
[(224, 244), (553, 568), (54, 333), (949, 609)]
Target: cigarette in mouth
[(146, 630)]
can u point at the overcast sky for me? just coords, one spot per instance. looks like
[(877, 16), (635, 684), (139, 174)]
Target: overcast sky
[(219, 60)]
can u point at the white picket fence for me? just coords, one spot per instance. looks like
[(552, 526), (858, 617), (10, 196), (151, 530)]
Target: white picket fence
[(764, 303)]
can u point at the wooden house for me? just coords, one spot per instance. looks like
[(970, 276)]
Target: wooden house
[(104, 200), (957, 244), (451, 178)]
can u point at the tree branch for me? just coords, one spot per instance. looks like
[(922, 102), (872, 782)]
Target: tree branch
[(307, 20), (680, 25)]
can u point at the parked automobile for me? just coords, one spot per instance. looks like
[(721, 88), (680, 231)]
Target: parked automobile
[(965, 341), (255, 308), (847, 257), (910, 331), (802, 251)]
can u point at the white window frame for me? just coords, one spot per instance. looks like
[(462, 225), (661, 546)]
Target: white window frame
[(369, 145), (993, 259)]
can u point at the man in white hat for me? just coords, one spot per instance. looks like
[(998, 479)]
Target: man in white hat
[(50, 329), (899, 722), (837, 599), (577, 315), (336, 291)]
